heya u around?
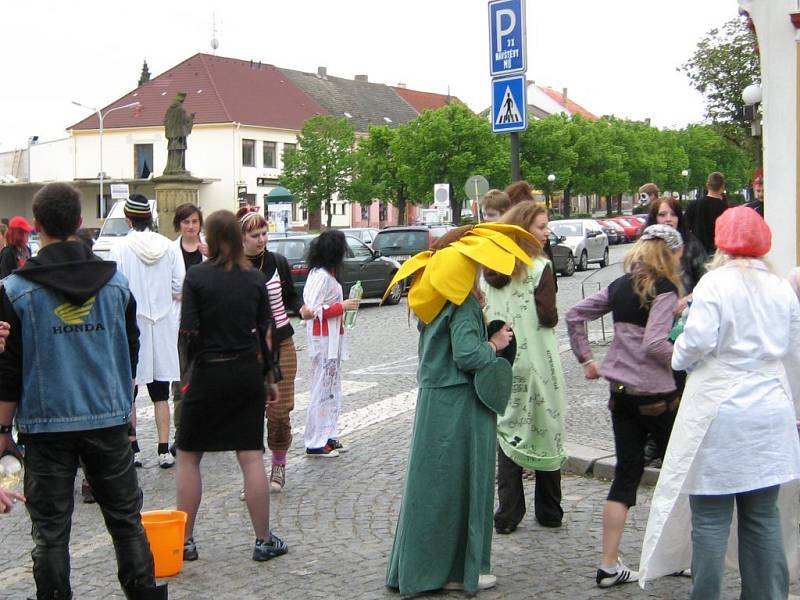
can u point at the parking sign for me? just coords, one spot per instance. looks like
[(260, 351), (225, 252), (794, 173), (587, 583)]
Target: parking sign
[(507, 37)]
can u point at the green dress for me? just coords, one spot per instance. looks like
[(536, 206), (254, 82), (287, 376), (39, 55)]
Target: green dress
[(531, 431), (444, 532)]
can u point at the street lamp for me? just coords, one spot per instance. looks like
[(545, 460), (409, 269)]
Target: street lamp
[(550, 180), (685, 175), (100, 117)]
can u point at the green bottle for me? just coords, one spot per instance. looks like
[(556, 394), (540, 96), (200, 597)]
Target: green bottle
[(350, 315)]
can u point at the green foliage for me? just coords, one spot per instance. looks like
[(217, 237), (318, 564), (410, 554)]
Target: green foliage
[(723, 64), (321, 165), (447, 146), (708, 150)]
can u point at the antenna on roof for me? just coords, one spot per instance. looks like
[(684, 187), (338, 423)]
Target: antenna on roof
[(214, 40)]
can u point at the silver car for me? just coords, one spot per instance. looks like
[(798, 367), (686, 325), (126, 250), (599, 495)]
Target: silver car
[(586, 239)]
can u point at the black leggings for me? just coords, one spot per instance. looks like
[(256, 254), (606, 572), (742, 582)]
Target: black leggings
[(158, 390)]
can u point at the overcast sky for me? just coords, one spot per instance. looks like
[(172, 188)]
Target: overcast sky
[(615, 57)]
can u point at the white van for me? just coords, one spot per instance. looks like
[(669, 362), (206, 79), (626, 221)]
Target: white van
[(115, 227)]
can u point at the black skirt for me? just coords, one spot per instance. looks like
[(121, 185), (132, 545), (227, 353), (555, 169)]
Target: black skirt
[(223, 408)]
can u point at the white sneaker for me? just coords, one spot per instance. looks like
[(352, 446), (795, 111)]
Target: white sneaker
[(621, 575), (166, 460), (485, 582)]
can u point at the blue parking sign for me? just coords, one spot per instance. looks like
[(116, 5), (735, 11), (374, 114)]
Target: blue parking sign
[(507, 37), (509, 108)]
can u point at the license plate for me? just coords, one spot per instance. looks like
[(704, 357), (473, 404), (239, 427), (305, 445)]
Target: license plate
[(401, 257)]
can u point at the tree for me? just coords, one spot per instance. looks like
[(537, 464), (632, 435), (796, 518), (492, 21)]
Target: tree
[(725, 63), (546, 148), (377, 172), (600, 167), (321, 165), (448, 145)]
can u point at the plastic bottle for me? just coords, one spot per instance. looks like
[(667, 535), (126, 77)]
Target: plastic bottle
[(350, 315)]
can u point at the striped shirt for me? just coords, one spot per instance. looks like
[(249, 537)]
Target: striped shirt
[(276, 301)]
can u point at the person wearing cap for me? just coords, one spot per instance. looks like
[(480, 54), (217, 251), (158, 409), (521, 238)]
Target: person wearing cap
[(637, 366), (16, 251), (758, 191), (444, 531), (734, 441), (155, 270)]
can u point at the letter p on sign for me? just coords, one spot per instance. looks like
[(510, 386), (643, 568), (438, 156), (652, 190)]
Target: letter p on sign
[(500, 30)]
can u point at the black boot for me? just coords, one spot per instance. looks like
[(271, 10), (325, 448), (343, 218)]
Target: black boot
[(152, 593)]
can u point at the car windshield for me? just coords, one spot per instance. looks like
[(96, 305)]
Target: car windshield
[(401, 242), (115, 228), (289, 248), (567, 229)]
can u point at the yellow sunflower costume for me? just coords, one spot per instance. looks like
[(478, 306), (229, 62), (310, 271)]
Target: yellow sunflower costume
[(444, 532)]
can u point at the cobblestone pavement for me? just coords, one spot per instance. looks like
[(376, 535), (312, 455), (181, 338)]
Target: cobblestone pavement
[(338, 515)]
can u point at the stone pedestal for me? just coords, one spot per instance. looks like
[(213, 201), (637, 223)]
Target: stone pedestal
[(171, 192)]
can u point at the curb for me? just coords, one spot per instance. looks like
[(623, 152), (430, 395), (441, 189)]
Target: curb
[(587, 461)]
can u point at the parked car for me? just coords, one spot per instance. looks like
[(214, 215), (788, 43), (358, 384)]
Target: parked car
[(641, 219), (614, 232), (360, 264), (629, 226), (365, 234), (115, 227), (563, 259), (401, 242), (586, 240)]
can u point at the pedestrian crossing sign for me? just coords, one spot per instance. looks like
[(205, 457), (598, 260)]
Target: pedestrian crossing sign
[(509, 108)]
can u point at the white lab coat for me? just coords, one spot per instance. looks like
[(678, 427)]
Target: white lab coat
[(735, 428), (155, 272)]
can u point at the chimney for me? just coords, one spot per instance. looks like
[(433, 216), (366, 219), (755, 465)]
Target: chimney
[(363, 78), (322, 72), (400, 84), (564, 96)]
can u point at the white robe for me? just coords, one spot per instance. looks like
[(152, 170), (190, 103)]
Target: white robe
[(155, 274), (735, 429)]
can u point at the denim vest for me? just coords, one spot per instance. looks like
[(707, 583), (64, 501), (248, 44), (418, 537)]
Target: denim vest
[(76, 366)]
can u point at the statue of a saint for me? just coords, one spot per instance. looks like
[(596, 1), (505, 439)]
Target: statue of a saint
[(177, 127)]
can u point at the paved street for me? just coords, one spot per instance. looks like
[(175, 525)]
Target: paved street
[(338, 515)]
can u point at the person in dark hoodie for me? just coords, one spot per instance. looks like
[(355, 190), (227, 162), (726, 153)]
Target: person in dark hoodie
[(73, 321), (702, 214)]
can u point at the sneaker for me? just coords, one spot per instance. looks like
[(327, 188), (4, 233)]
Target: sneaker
[(621, 575), (324, 452), (136, 462), (265, 550), (682, 573), (277, 478), (336, 445), (166, 460), (189, 550), (173, 449), (86, 493), (485, 582)]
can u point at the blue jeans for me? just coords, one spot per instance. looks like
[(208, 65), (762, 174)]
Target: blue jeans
[(762, 561)]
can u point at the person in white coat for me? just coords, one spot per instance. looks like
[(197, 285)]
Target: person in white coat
[(155, 272), (734, 441)]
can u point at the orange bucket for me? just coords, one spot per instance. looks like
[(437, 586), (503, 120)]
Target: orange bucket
[(164, 529)]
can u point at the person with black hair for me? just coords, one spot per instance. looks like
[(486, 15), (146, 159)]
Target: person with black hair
[(73, 321), (325, 330), (155, 274), (702, 214)]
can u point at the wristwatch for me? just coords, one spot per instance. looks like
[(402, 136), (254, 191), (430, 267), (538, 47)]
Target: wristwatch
[(5, 428)]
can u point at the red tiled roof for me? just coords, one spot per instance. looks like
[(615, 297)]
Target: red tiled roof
[(572, 107), (218, 90), (420, 101)]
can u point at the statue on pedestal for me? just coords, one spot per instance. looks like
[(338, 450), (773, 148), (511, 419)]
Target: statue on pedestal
[(177, 127)]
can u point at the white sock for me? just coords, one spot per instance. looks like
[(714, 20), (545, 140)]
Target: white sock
[(610, 570)]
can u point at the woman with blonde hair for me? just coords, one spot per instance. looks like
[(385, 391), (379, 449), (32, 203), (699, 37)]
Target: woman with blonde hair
[(734, 441), (530, 434), (637, 366)]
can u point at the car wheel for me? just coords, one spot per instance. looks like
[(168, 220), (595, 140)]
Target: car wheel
[(604, 262), (569, 267), (395, 294), (584, 262)]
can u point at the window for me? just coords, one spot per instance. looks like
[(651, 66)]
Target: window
[(358, 248), (288, 149), (142, 160), (382, 210), (269, 155), (365, 212), (248, 153)]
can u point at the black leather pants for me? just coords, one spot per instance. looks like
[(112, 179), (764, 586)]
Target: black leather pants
[(50, 468)]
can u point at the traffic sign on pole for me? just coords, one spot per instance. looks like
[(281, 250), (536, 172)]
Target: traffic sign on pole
[(509, 108), (441, 195), (507, 37)]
